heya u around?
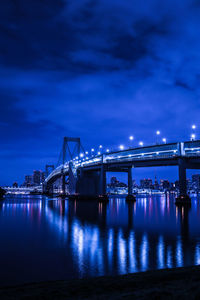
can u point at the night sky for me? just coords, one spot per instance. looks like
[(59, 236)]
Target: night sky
[(101, 70)]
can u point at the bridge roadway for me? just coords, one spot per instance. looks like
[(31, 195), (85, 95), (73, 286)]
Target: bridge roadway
[(87, 176)]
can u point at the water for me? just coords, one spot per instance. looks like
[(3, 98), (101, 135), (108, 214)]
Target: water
[(50, 239)]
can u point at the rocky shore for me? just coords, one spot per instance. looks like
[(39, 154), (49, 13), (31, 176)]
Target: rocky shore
[(179, 283)]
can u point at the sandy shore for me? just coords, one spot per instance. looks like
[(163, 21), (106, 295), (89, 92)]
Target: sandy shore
[(181, 283)]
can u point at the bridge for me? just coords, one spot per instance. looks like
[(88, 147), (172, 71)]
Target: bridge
[(87, 175)]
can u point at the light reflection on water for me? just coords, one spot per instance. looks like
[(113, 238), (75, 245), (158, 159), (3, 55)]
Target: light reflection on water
[(47, 239)]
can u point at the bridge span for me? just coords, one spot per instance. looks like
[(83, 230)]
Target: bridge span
[(87, 175)]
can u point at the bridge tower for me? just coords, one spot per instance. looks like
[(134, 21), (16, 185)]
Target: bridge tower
[(49, 169), (71, 148)]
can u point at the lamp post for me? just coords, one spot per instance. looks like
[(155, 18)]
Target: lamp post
[(131, 138), (157, 134), (92, 151), (193, 135), (164, 140), (100, 148)]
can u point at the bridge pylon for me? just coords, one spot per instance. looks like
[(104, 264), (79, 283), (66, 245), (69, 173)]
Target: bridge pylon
[(71, 149)]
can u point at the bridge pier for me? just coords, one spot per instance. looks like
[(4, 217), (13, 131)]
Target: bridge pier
[(92, 184), (102, 188), (183, 197), (63, 184), (47, 189), (130, 197)]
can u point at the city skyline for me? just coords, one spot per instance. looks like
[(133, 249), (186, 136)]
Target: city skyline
[(167, 172)]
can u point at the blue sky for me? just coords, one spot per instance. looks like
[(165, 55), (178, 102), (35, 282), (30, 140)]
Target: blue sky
[(101, 70)]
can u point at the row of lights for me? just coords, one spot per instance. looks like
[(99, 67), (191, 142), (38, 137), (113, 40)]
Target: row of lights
[(121, 147), (193, 135), (141, 144)]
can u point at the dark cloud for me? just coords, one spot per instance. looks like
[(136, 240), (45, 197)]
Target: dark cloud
[(99, 69)]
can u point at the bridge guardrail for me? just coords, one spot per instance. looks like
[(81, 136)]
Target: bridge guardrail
[(189, 148)]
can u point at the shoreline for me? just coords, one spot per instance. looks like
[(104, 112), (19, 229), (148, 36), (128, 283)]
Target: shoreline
[(158, 284)]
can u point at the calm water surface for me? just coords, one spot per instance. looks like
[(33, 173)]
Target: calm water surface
[(50, 239)]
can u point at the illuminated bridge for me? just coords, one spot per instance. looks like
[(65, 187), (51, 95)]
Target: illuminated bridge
[(87, 175)]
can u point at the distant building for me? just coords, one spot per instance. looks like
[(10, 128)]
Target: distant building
[(146, 183), (134, 183), (121, 184), (36, 177), (176, 184), (156, 184), (113, 181), (15, 184), (43, 176), (164, 184), (196, 182), (28, 180)]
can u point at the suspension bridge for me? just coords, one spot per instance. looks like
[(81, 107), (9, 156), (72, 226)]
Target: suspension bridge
[(87, 175)]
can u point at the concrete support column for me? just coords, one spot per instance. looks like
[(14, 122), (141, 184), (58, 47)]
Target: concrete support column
[(130, 181), (49, 189), (183, 198), (182, 177), (130, 197), (63, 183), (103, 189)]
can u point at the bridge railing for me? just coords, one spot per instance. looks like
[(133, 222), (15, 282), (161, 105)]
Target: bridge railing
[(153, 152), (192, 148), (57, 171), (92, 161)]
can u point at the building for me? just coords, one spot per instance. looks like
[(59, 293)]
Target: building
[(28, 180), (113, 181), (43, 176), (156, 184), (196, 182), (36, 177), (146, 183), (165, 184)]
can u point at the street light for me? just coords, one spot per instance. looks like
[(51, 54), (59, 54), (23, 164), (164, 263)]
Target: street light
[(100, 148), (193, 132), (81, 155), (107, 150), (141, 144), (121, 147), (92, 152), (164, 140), (131, 138), (157, 134), (99, 153)]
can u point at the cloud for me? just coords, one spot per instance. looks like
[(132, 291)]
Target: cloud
[(101, 70)]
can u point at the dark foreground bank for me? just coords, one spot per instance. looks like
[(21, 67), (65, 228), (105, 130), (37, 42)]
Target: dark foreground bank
[(181, 283)]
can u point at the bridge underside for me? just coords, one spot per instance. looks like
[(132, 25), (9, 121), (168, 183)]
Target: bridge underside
[(91, 180)]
